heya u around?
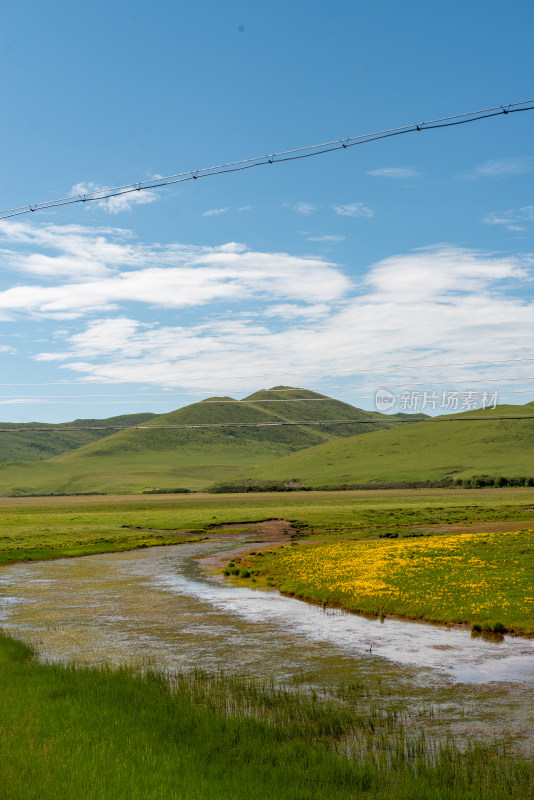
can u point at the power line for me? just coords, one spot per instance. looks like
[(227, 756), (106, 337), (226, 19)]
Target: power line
[(401, 367), (43, 398), (275, 158), (390, 420), (45, 402)]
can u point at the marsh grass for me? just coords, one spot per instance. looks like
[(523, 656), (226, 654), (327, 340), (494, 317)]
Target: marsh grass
[(69, 732)]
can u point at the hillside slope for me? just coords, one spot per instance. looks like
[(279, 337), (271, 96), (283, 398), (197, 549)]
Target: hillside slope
[(194, 457), (21, 442), (431, 450)]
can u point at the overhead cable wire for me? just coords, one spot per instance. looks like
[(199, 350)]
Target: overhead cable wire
[(294, 154), (170, 395), (211, 378), (44, 402), (280, 424)]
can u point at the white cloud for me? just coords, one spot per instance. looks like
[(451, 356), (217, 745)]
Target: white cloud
[(212, 212), (354, 210), (514, 219), (118, 203), (445, 273), (5, 348), (171, 276), (74, 251), (258, 313), (501, 168), (305, 208), (442, 305), (328, 237), (51, 357), (395, 172), (292, 311)]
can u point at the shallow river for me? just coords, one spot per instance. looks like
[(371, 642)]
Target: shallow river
[(158, 607)]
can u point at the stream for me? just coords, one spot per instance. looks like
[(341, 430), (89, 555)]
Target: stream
[(157, 607)]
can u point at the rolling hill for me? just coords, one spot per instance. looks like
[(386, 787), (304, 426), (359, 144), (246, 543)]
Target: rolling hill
[(194, 457), (21, 442), (449, 446)]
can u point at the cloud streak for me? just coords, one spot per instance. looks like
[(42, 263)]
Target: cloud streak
[(215, 212), (305, 209), (327, 237), (118, 203), (288, 315), (515, 219), (501, 168), (354, 210), (395, 172)]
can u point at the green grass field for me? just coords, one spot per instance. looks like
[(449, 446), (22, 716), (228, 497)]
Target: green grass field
[(43, 527), (430, 450), (116, 735)]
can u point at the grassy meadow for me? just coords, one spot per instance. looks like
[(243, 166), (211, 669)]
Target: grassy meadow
[(99, 734), (483, 578), (54, 527)]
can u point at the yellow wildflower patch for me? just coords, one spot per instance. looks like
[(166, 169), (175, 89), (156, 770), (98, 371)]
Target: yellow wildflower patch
[(485, 579)]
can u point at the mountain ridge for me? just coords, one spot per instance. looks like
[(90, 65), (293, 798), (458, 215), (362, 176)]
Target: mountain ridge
[(155, 457)]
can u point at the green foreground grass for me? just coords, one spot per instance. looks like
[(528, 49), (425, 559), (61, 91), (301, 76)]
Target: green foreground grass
[(102, 734)]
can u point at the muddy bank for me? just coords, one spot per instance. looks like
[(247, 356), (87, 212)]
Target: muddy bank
[(260, 535)]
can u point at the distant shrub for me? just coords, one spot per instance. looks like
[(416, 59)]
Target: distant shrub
[(499, 481), (259, 486), (167, 491)]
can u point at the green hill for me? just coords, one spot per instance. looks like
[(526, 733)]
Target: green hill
[(194, 457), (22, 442), (431, 450)]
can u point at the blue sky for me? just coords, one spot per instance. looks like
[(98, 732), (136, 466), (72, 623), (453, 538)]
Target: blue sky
[(345, 272)]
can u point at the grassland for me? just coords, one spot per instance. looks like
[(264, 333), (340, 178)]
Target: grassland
[(430, 450), (483, 578), (35, 528), (117, 735)]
